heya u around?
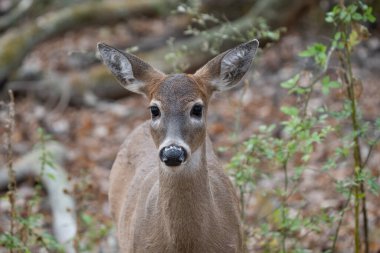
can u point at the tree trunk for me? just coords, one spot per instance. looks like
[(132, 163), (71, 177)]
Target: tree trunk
[(99, 81), (193, 57), (15, 14), (17, 43)]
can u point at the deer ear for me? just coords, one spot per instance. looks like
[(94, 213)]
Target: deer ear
[(227, 69), (132, 72)]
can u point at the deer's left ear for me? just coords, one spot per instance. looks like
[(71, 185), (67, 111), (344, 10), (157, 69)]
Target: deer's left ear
[(227, 69)]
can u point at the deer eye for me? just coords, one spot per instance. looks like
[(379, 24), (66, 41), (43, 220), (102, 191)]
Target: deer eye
[(196, 111), (155, 111)]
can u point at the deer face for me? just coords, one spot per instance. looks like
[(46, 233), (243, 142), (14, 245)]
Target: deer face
[(178, 125), (178, 103)]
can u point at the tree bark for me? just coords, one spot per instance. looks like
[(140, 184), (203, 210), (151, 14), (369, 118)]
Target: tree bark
[(267, 9), (17, 43), (15, 14), (55, 181), (277, 13), (99, 81)]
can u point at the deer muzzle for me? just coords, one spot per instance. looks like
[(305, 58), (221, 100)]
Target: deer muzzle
[(173, 155)]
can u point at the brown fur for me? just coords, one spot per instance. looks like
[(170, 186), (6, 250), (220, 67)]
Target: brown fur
[(188, 211), (190, 208), (157, 212)]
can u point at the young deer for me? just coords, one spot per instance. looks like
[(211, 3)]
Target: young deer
[(168, 192)]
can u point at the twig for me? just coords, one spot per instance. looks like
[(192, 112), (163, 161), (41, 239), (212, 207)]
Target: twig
[(58, 190), (340, 221), (357, 154), (11, 172), (370, 151), (317, 78), (284, 229)]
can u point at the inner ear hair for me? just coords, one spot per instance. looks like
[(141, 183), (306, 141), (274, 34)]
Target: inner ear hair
[(228, 68)]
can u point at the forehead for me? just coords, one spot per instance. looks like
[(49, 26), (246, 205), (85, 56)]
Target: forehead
[(180, 88)]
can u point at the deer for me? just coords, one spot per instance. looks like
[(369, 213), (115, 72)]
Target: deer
[(168, 191)]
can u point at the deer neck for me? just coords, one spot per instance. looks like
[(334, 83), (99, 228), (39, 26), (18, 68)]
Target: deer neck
[(185, 200)]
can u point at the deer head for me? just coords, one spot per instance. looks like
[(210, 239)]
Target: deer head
[(178, 103)]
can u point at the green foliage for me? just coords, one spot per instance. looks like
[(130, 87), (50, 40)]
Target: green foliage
[(290, 83), (213, 38), (30, 234), (302, 134), (92, 228), (327, 84), (305, 130), (318, 52), (94, 231), (348, 14), (46, 158), (176, 55), (12, 242), (201, 22)]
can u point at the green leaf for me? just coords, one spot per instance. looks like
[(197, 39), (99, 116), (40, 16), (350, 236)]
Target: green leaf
[(222, 149), (299, 90), (337, 36), (327, 84), (373, 186), (369, 16), (342, 14), (87, 219), (353, 39), (329, 19), (50, 163), (51, 176), (377, 123), (330, 164), (343, 151), (317, 51), (292, 82), (356, 16), (290, 110)]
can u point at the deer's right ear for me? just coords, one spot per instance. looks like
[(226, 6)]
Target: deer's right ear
[(132, 72)]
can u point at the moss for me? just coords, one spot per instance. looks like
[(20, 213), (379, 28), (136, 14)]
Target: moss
[(14, 46), (101, 75)]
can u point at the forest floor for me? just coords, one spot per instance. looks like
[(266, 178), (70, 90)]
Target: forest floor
[(93, 134)]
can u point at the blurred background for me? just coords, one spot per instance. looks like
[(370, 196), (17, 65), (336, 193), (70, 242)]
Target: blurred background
[(66, 117)]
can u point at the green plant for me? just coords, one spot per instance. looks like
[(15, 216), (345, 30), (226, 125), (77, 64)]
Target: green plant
[(26, 233), (350, 33), (307, 128), (295, 149), (93, 227), (213, 31)]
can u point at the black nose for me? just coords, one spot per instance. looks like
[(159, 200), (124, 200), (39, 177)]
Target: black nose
[(173, 155)]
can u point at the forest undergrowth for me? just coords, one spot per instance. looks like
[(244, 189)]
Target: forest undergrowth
[(306, 180)]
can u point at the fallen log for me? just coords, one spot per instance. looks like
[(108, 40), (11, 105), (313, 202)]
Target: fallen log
[(98, 82), (15, 14), (268, 10), (16, 43), (276, 13), (55, 181)]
